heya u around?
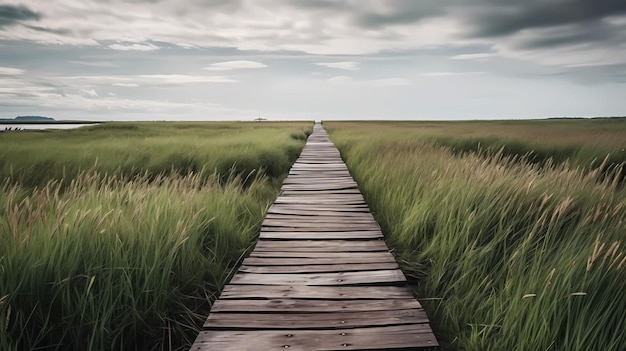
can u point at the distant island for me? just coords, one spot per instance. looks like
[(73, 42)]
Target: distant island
[(40, 120), (21, 119)]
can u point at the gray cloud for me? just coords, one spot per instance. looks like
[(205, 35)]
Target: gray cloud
[(376, 14), (400, 12), (90, 59), (557, 41), (497, 19), (61, 31), (10, 15), (570, 36), (489, 18)]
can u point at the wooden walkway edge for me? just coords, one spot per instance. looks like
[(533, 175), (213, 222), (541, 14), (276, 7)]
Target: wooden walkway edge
[(320, 277)]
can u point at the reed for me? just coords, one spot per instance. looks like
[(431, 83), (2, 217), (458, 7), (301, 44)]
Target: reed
[(506, 254), (106, 258)]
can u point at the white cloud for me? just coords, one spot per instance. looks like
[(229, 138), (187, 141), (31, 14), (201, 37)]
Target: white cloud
[(90, 93), (133, 47), (82, 103), (437, 74), (480, 56), (274, 25), (17, 87), (9, 71), (269, 25), (346, 65), (231, 65), (340, 79), (388, 82), (126, 85), (376, 83), (125, 104), (95, 63), (616, 20), (447, 74), (147, 79), (184, 79)]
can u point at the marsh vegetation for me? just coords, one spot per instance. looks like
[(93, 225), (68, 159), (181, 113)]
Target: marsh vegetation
[(119, 236), (515, 239)]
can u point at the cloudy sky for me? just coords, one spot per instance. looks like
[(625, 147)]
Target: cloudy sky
[(312, 59)]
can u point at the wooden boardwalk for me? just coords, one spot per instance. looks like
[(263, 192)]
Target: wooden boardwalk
[(321, 277)]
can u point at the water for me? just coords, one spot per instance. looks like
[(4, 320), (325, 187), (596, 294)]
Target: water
[(3, 127)]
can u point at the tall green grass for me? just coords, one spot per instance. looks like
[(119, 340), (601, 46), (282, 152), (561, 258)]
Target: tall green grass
[(507, 254), (149, 148), (586, 142), (102, 258)]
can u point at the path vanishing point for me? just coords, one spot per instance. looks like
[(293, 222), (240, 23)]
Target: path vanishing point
[(321, 276)]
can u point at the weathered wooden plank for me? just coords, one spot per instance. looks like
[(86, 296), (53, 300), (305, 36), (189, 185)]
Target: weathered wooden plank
[(304, 178), (357, 218), (302, 213), (317, 254), (320, 221), (315, 292), (325, 320), (317, 212), (327, 210), (320, 235), (285, 261), (318, 306), (305, 168), (304, 221), (324, 173), (311, 224), (393, 337), (324, 279), (314, 187), (295, 172), (316, 225), (340, 233), (320, 200), (329, 166), (312, 184), (319, 157), (322, 245), (318, 196), (322, 203), (323, 192), (325, 207), (320, 268), (322, 227), (321, 187), (319, 181)]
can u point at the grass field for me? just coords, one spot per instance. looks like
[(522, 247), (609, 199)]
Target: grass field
[(119, 236), (508, 252), (137, 149)]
